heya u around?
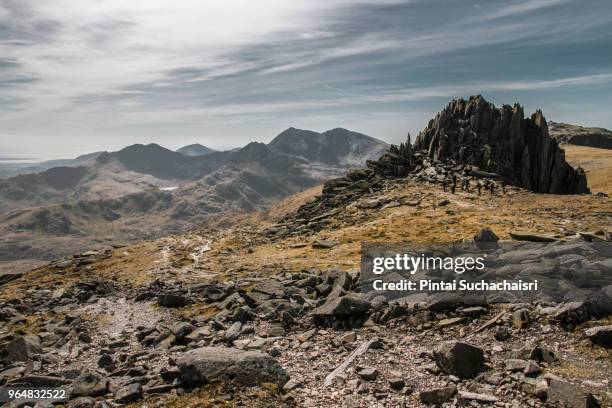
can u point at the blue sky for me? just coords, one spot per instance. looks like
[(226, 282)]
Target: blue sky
[(84, 75)]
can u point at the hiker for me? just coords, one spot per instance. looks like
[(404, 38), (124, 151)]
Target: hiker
[(492, 188), (453, 187), (444, 184)]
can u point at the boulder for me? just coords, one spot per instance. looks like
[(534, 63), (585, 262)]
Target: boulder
[(206, 364), (171, 300), (182, 329), (461, 359), (89, 384), (562, 394), (129, 393), (486, 239), (601, 335), (22, 348), (349, 305)]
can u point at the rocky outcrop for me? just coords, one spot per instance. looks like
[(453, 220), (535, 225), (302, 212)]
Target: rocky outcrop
[(501, 141), (206, 364)]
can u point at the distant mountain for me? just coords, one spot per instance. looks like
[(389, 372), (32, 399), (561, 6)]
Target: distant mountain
[(120, 194), (335, 147), (580, 136), (195, 149)]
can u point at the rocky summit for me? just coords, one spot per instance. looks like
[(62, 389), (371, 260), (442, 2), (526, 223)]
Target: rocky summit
[(501, 141)]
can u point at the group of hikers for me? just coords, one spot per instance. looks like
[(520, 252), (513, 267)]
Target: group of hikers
[(466, 184)]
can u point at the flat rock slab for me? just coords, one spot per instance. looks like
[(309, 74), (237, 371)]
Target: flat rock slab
[(206, 364)]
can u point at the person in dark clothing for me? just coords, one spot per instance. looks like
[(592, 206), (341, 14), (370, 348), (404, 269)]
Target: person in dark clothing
[(492, 188), (453, 187), (444, 184)]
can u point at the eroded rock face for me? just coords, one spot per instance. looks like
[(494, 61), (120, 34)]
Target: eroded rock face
[(207, 364), (501, 141)]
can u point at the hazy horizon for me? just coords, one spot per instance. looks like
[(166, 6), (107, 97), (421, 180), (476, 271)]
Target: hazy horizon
[(84, 76)]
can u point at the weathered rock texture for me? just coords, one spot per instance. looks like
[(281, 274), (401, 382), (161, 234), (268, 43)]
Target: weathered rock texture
[(501, 141), (206, 364)]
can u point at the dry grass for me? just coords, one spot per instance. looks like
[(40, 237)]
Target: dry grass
[(597, 163)]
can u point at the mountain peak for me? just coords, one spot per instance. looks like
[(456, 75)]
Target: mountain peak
[(336, 146), (195, 149)]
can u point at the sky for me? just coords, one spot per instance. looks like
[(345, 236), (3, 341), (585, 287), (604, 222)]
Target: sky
[(78, 76)]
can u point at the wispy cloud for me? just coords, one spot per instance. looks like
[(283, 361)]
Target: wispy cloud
[(71, 67)]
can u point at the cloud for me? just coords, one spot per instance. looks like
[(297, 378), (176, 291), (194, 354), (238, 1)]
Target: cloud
[(70, 65), (526, 6)]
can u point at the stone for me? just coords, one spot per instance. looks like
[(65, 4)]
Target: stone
[(171, 300), (349, 337), (276, 330), (243, 314), (323, 244), (129, 393), (532, 368), (437, 395), (450, 322), (182, 329), (397, 384), (472, 396), (106, 361), (368, 373), (292, 384), (22, 348), (89, 384), (515, 364), (565, 395), (206, 364), (461, 359), (601, 335), (535, 386), (486, 239), (349, 305), (520, 319), (541, 353), (81, 402), (502, 333), (233, 332), (170, 374), (43, 380), (474, 311)]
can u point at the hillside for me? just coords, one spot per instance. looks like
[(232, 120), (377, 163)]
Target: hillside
[(597, 164), (230, 287), (146, 191), (566, 133)]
